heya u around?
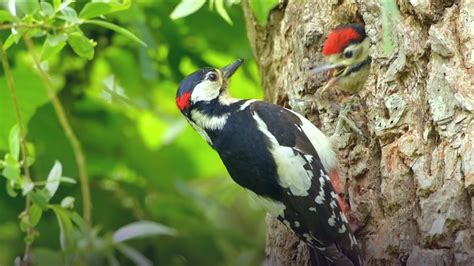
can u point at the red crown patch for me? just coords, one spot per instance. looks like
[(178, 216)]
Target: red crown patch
[(339, 38)]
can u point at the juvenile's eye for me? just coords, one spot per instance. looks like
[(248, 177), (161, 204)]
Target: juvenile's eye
[(212, 76), (348, 54)]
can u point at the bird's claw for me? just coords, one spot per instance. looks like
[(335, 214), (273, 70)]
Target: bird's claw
[(343, 118)]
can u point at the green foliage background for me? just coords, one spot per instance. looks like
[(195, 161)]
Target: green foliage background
[(144, 161)]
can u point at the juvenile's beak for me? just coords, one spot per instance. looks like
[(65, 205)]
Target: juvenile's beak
[(229, 70), (334, 72), (323, 68)]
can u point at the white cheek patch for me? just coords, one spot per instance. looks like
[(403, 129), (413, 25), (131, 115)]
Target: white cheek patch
[(290, 166), (206, 91)]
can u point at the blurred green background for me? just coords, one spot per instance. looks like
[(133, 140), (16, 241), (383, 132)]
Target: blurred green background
[(144, 161)]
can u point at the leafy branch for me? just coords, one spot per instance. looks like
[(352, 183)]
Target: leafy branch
[(76, 145), (260, 9), (14, 149), (59, 23)]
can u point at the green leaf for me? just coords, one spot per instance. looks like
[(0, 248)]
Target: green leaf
[(12, 38), (186, 8), (68, 202), (14, 142), (79, 221), (40, 198), (95, 9), (116, 28), (31, 154), (24, 224), (222, 12), (70, 15), (54, 177), (27, 187), (11, 170), (10, 190), (5, 16), (69, 180), (35, 214), (53, 45), (31, 95), (141, 229), (134, 255), (56, 4), (261, 9), (65, 226), (28, 6), (46, 9), (81, 45)]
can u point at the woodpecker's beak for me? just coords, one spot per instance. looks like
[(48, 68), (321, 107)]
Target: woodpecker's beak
[(334, 71), (324, 67), (229, 70)]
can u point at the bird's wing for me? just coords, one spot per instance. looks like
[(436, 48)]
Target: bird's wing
[(312, 210)]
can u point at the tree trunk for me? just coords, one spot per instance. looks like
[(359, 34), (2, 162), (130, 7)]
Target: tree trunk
[(411, 185)]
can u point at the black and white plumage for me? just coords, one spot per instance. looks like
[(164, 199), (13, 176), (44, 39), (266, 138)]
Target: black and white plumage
[(280, 157)]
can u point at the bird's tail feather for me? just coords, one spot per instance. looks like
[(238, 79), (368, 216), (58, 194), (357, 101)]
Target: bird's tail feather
[(331, 255)]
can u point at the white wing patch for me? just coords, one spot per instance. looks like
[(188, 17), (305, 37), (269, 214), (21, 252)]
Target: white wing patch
[(309, 239), (320, 197), (332, 219), (275, 208), (290, 166), (320, 142), (342, 229), (209, 122)]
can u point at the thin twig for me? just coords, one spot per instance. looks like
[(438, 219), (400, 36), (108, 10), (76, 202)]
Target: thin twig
[(24, 151), (76, 145), (30, 26)]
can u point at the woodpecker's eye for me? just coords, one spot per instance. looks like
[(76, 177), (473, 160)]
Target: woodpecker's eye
[(212, 76), (348, 54)]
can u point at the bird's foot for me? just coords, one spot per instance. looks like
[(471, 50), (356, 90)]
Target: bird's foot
[(343, 119)]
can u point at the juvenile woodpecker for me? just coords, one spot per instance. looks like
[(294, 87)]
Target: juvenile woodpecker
[(346, 51), (276, 154)]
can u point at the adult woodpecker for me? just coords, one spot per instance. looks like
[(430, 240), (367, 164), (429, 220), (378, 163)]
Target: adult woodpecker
[(279, 156), (346, 51)]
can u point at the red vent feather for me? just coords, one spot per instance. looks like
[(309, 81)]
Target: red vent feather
[(183, 101), (338, 40)]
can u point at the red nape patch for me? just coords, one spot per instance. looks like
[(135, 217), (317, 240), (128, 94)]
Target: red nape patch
[(339, 38), (183, 101)]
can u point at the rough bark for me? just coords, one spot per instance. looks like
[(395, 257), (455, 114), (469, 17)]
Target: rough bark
[(411, 185)]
